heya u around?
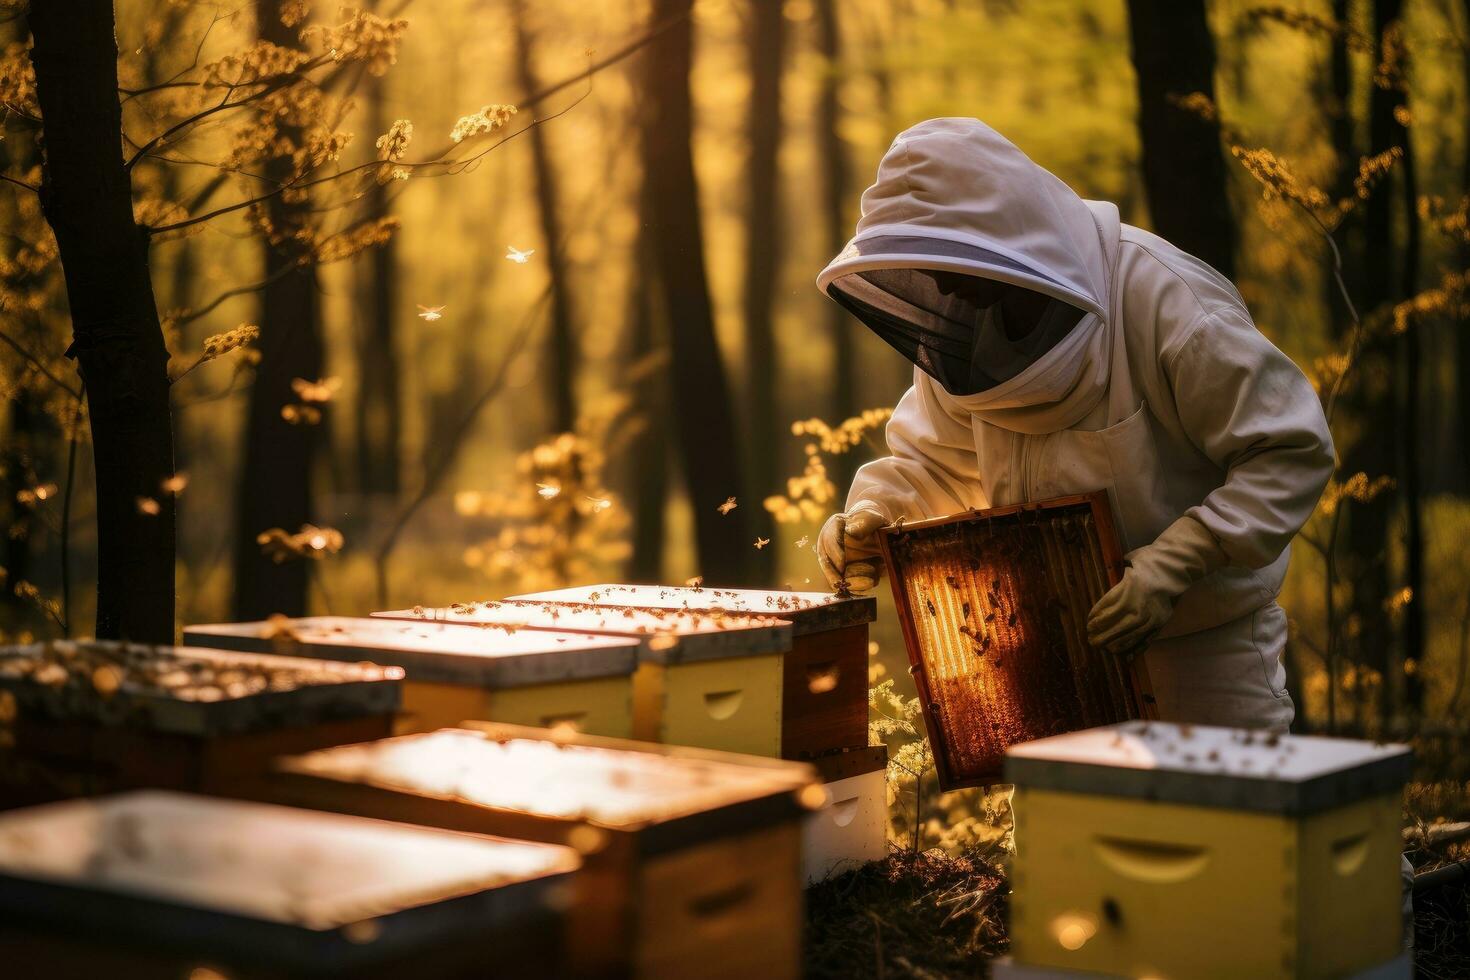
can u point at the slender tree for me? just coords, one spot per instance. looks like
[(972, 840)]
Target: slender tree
[(763, 239), (379, 402), (1184, 172), (836, 181), (275, 489), (649, 479), (86, 195), (704, 423), (561, 364)]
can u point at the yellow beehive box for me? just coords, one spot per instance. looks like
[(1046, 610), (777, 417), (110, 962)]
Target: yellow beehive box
[(1147, 849), (525, 677), (707, 680), (691, 857), (168, 885), (824, 693)]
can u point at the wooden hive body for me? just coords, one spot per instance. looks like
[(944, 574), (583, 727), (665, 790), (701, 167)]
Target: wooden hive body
[(87, 718), (824, 687), (704, 679), (691, 857), (155, 884), (453, 673), (1151, 849), (994, 606)]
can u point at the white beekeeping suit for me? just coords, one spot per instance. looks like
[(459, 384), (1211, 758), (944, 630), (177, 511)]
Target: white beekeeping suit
[(1060, 351)]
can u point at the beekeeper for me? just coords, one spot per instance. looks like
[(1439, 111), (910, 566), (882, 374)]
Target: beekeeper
[(1057, 351)]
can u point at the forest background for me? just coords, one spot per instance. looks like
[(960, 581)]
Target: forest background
[(423, 349)]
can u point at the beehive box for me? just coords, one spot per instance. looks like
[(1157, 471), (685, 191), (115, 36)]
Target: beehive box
[(1151, 849), (156, 884), (79, 718), (692, 857), (704, 680), (994, 607), (824, 685), (851, 828), (531, 677)]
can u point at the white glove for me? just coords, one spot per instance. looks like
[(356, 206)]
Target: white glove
[(847, 549), (1143, 602)]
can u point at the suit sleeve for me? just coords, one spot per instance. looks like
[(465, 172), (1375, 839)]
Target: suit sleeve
[(932, 470), (1248, 408)]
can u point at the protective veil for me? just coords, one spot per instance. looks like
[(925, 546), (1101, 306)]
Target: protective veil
[(1138, 371)]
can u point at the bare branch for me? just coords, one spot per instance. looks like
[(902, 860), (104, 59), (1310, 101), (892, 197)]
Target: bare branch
[(20, 183), (39, 365), (228, 294)]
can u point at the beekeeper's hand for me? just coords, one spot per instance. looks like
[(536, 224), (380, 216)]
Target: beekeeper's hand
[(1143, 602), (847, 548)]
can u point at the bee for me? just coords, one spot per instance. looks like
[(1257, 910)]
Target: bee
[(517, 256), (430, 313), (727, 506)]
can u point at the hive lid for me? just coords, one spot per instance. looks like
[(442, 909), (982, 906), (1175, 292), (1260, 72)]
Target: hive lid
[(171, 867), (666, 636), (611, 783), (437, 652), (808, 612), (1208, 766), (191, 691)]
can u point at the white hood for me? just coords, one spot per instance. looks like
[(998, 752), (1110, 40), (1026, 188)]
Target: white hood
[(954, 195)]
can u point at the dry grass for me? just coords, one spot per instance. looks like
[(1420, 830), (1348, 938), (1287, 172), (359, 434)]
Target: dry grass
[(926, 915)]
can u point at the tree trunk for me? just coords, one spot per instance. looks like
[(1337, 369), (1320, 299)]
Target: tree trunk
[(276, 482), (703, 420), (87, 200), (1459, 475), (379, 402), (763, 242), (561, 366), (1183, 166), (835, 168), (649, 479), (1410, 442), (1374, 401)]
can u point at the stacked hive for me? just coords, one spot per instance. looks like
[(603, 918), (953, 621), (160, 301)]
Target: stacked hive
[(692, 858), (824, 696)]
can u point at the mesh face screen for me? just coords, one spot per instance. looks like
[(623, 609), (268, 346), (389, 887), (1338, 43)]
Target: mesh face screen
[(994, 609)]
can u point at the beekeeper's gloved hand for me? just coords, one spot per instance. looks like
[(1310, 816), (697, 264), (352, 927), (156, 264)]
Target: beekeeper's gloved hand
[(847, 548), (1138, 607)]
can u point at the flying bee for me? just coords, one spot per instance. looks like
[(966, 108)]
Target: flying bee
[(430, 313)]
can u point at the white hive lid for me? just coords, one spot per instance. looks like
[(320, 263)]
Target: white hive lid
[(625, 789), (493, 656), (808, 612), (1210, 766), (665, 635), (250, 861)]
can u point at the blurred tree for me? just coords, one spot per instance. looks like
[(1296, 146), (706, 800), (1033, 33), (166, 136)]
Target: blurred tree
[(1461, 477), (379, 402), (836, 181), (649, 482), (763, 240), (560, 367), (703, 421), (280, 453), (1183, 165), (86, 195)]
